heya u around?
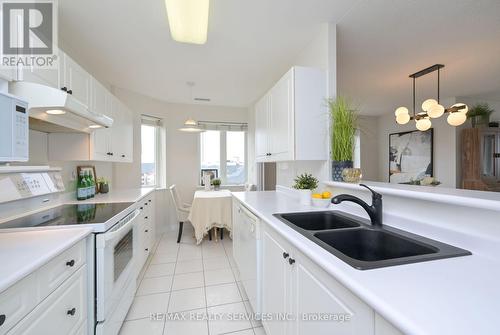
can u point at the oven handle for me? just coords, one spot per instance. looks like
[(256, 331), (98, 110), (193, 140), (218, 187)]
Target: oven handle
[(130, 221)]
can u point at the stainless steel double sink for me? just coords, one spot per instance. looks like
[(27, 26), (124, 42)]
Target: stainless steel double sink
[(359, 244)]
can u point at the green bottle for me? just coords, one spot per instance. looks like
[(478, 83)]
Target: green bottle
[(87, 184), (81, 187)]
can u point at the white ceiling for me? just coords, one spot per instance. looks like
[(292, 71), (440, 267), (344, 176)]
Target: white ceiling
[(252, 42), (381, 42)]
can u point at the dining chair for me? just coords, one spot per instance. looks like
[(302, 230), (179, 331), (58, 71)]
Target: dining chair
[(181, 210), (249, 187)]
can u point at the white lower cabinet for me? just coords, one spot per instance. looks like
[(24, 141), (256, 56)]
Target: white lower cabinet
[(298, 291), (145, 231), (51, 300), (63, 312)]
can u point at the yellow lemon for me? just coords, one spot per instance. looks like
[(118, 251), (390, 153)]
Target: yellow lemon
[(326, 195), (316, 196)]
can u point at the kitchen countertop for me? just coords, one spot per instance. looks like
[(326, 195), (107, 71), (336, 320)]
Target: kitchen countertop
[(23, 252), (120, 195), (448, 296)]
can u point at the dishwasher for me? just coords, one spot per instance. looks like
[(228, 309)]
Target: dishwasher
[(246, 251)]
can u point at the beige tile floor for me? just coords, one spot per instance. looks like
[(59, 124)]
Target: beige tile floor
[(189, 281)]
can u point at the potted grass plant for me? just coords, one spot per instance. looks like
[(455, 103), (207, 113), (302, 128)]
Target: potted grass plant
[(479, 114), (216, 182), (305, 184), (343, 129)]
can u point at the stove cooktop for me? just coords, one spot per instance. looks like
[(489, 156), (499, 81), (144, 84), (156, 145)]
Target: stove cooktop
[(72, 214)]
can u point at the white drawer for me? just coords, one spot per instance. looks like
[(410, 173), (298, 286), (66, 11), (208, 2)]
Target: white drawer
[(52, 274), (63, 312), (17, 301)]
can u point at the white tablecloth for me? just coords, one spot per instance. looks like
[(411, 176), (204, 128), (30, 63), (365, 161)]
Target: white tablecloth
[(210, 209)]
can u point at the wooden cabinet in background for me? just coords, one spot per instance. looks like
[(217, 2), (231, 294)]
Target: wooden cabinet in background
[(481, 159)]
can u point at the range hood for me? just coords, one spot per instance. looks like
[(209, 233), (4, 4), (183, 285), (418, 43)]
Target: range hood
[(42, 98)]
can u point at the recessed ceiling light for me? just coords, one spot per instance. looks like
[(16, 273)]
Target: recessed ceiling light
[(95, 126), (55, 112), (202, 99), (188, 20)]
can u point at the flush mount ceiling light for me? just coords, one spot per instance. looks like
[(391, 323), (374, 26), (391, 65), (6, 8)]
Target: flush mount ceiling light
[(55, 112), (95, 126), (191, 126), (188, 20), (431, 108)]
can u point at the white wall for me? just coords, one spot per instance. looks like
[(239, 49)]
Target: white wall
[(445, 144), (368, 140), (182, 149), (38, 155)]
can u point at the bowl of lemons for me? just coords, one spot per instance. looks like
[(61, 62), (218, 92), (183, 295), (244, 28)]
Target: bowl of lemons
[(322, 200)]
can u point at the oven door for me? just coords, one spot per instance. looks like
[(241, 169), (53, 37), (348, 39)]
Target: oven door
[(114, 264)]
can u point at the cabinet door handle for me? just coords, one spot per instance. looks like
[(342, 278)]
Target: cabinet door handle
[(146, 217), (291, 261), (141, 207), (146, 230), (71, 263), (285, 255), (2, 319), (70, 92), (123, 156), (71, 311), (111, 153), (65, 89), (147, 249), (149, 200)]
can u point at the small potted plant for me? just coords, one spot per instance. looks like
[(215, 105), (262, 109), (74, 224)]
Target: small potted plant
[(305, 183), (343, 129), (216, 183), (102, 185)]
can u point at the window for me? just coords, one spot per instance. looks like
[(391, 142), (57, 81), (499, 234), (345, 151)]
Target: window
[(225, 152), (150, 133)]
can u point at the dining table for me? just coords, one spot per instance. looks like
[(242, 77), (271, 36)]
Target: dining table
[(211, 209)]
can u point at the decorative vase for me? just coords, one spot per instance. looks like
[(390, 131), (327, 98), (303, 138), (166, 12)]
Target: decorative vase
[(305, 197), (338, 167), (352, 175), (216, 187)]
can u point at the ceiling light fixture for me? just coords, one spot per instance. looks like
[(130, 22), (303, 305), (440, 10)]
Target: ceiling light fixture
[(188, 20), (431, 108), (55, 112), (191, 126), (95, 126)]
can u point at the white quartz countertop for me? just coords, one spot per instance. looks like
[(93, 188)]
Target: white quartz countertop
[(119, 195), (23, 252), (449, 296)]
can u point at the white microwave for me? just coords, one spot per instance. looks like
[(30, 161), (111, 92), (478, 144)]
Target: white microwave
[(14, 134)]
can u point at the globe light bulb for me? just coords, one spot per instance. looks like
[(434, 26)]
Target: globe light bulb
[(401, 110), (456, 119), (435, 111), (464, 109), (427, 104), (424, 124), (403, 118)]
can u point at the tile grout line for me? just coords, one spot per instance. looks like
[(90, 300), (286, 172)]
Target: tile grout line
[(170, 293)]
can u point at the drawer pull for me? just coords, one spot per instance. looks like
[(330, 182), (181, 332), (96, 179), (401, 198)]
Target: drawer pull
[(141, 207), (146, 217), (146, 231), (2, 319), (71, 311), (71, 263), (147, 249), (149, 200)]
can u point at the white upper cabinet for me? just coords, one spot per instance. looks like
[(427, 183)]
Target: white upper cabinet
[(48, 77), (261, 127), (100, 96), (75, 80), (291, 120)]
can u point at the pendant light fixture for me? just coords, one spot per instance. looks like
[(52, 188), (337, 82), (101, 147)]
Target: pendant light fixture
[(188, 20), (431, 108), (191, 126)]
